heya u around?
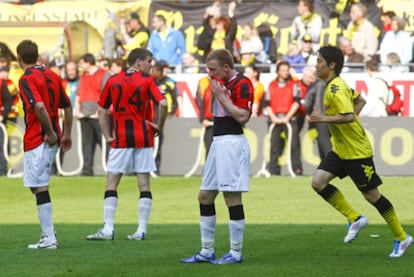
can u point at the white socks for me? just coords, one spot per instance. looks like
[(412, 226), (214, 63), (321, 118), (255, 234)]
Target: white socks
[(144, 210), (207, 230), (45, 218), (110, 204), (236, 228)]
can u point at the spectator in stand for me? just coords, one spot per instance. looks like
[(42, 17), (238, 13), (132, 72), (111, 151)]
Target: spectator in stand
[(361, 32), (191, 64), (397, 37), (386, 19), (251, 40), (307, 22), (5, 107), (295, 58), (169, 90), (219, 31), (282, 102), (134, 33), (393, 64), (269, 42), (307, 52), (314, 101), (247, 56), (253, 73), (5, 71), (57, 66), (165, 42), (353, 59), (117, 65), (204, 100), (308, 77), (71, 85), (377, 94), (91, 83), (71, 81), (103, 63)]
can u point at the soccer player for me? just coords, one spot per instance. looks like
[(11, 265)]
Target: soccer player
[(132, 138), (351, 153), (42, 95), (227, 167)]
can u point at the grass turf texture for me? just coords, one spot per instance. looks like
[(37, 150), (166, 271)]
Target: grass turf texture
[(290, 231)]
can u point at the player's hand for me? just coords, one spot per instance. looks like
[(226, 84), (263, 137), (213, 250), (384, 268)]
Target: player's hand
[(155, 129), (79, 114), (50, 139), (109, 140), (66, 143), (316, 116), (217, 88)]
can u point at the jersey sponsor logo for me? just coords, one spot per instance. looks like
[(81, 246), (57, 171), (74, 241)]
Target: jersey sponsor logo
[(334, 89)]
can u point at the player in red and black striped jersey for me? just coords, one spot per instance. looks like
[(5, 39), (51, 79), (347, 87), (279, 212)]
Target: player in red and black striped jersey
[(227, 167), (130, 94), (42, 95)]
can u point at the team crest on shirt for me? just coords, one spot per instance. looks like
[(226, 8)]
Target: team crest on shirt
[(244, 90)]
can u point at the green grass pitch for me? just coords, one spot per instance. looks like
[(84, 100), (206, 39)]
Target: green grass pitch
[(290, 230)]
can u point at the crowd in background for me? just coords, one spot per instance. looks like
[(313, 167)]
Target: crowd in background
[(254, 53)]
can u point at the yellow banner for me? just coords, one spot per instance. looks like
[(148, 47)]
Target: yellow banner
[(96, 13), (403, 8)]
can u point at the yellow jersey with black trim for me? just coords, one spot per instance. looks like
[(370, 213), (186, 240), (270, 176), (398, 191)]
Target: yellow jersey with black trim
[(349, 140)]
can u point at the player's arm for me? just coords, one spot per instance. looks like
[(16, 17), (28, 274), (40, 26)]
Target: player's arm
[(359, 103), (66, 144), (317, 116), (162, 115), (104, 117), (43, 117)]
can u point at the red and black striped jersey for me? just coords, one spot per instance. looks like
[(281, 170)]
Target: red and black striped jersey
[(131, 94), (39, 84), (241, 92)]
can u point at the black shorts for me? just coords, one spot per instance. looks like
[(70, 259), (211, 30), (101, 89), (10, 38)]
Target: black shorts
[(361, 171)]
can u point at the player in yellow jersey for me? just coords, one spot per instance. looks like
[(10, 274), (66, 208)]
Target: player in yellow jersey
[(351, 153)]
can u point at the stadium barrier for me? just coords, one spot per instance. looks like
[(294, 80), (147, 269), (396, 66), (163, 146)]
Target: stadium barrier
[(392, 139)]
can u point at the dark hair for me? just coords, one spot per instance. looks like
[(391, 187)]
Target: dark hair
[(372, 64), (160, 65), (138, 54), (225, 21), (255, 70), (282, 62), (222, 56), (389, 14), (119, 62), (28, 51), (333, 54), (88, 58), (308, 3), (160, 17)]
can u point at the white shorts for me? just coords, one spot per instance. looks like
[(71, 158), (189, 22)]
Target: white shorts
[(131, 160), (37, 165), (227, 166)]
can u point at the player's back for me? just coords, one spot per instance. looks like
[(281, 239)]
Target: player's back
[(56, 91), (131, 94)]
